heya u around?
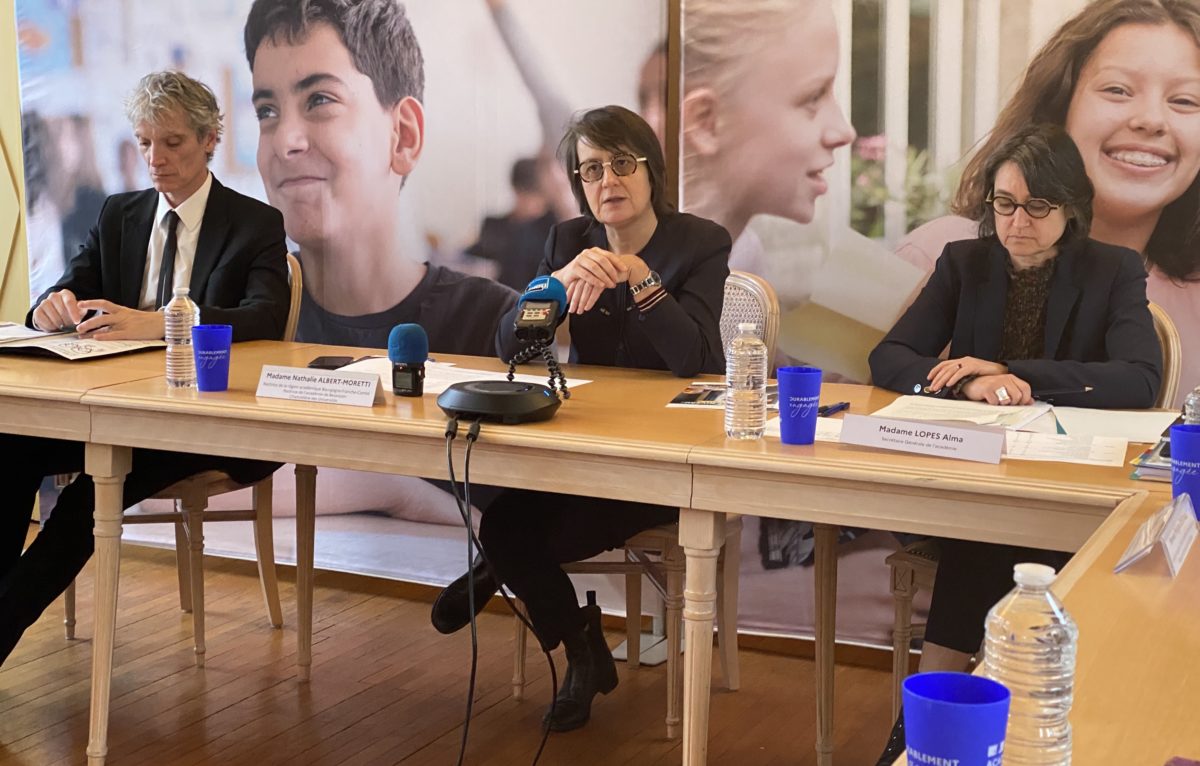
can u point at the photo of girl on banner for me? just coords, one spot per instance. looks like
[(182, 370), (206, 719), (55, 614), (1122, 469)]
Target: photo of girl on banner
[(1123, 78)]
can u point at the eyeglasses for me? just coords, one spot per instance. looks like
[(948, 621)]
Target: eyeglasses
[(1034, 208), (621, 164)]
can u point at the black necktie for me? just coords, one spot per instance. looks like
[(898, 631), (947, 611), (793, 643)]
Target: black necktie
[(166, 273)]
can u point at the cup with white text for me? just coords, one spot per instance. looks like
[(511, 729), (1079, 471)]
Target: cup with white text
[(799, 397), (211, 345)]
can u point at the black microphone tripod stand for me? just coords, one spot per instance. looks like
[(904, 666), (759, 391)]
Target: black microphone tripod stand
[(557, 382)]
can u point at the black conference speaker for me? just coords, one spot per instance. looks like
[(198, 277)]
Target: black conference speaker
[(499, 401)]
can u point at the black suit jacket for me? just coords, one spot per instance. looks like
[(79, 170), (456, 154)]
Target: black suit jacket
[(1099, 331), (681, 334), (239, 274)]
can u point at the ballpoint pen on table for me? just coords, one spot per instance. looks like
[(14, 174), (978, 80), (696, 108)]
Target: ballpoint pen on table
[(1061, 392), (832, 409)]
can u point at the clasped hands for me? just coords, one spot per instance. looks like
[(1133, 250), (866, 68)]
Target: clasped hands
[(595, 270), (62, 311), (989, 382)]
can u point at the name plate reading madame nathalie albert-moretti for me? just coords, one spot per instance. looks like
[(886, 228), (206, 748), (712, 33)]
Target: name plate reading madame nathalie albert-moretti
[(959, 441), (303, 384)]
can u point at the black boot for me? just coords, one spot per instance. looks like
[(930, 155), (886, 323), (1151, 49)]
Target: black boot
[(451, 611), (590, 670), (895, 745)]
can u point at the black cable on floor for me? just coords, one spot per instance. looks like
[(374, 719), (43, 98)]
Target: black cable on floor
[(464, 507)]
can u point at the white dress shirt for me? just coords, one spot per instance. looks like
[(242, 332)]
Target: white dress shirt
[(187, 234)]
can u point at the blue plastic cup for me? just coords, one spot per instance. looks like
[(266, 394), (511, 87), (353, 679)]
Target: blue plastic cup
[(1185, 463), (799, 397), (955, 718), (211, 344)]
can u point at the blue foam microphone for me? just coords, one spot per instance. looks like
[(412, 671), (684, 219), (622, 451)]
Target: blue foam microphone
[(540, 309), (408, 348)]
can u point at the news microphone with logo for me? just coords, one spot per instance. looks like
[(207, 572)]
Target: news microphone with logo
[(408, 348), (540, 309)]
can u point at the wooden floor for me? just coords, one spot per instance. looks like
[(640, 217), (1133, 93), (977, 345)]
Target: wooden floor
[(386, 688)]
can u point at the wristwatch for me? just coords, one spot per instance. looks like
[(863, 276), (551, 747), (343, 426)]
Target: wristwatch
[(652, 280)]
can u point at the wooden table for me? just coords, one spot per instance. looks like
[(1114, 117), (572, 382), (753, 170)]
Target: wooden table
[(614, 440), (43, 397), (1137, 689), (1043, 505)]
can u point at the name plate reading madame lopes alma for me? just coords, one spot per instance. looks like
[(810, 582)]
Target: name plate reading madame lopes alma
[(962, 442), (302, 384)]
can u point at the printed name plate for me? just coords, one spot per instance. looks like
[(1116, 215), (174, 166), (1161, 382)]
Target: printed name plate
[(963, 442), (302, 384), (1172, 528)]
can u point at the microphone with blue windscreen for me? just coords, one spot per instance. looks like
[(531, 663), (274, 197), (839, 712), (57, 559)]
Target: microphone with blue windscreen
[(540, 309), (408, 348)]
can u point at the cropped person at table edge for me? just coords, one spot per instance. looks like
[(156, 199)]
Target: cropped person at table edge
[(188, 229), (1032, 305), (645, 287)]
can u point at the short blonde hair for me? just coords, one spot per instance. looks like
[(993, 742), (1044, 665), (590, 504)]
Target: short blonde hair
[(158, 93)]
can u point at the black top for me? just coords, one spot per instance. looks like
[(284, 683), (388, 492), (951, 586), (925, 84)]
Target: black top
[(239, 272), (458, 312), (1099, 331), (682, 333), (1025, 311)]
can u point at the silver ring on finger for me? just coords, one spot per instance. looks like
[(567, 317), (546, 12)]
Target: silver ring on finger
[(1002, 395)]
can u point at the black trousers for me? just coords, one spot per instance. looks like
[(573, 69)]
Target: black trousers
[(30, 581), (971, 578), (528, 535)]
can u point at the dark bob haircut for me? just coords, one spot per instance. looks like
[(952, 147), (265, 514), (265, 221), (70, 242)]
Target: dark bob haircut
[(1053, 171), (615, 129), (377, 33)]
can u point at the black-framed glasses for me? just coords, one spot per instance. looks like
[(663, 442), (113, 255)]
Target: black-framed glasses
[(1034, 208), (621, 164)]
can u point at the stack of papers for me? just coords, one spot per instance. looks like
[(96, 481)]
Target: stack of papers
[(950, 410), (1155, 463)]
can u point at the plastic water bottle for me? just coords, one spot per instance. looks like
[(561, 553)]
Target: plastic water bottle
[(745, 385), (179, 317), (1191, 408), (1030, 648)]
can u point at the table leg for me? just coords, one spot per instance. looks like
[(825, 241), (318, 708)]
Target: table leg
[(825, 566), (701, 534), (107, 466), (306, 530)]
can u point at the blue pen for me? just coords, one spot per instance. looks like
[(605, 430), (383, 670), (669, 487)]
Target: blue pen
[(832, 409)]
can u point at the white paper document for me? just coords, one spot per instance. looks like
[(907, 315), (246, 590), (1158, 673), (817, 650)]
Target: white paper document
[(441, 375), (1135, 425), (10, 331), (980, 413), (828, 429), (1088, 450), (68, 345)]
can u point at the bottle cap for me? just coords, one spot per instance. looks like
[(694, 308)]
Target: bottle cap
[(1037, 575), (181, 291), (747, 327)]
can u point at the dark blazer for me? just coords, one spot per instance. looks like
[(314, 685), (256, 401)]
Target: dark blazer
[(239, 274), (1099, 331), (682, 333)]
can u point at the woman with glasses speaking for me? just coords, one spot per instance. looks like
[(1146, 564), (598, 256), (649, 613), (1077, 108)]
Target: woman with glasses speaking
[(645, 287), (1032, 309)]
